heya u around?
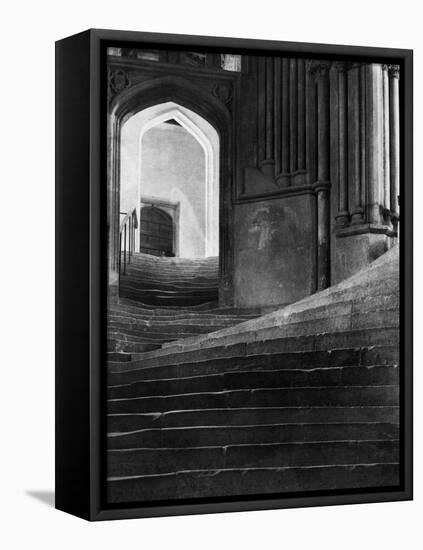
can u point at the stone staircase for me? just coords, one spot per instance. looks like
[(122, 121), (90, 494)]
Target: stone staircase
[(166, 299), (301, 399), (171, 282)]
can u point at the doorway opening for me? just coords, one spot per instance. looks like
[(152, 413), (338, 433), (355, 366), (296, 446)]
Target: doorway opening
[(156, 232), (169, 180), (170, 154)]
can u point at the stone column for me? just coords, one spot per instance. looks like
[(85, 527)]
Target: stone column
[(277, 114), (375, 141), (301, 134), (270, 118), (285, 137), (342, 216), (322, 185), (394, 140), (386, 145), (113, 217), (293, 114), (268, 165), (355, 143)]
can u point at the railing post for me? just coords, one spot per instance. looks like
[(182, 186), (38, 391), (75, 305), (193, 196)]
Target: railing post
[(124, 249), (127, 227), (120, 251), (130, 239)]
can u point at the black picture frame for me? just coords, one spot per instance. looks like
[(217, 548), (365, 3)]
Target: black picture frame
[(80, 273)]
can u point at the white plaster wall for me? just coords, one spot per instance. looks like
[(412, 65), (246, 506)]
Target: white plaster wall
[(173, 169)]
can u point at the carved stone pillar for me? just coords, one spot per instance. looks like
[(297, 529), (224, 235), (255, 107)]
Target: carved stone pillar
[(301, 133), (342, 216), (355, 144), (386, 195), (394, 140), (375, 141), (293, 114), (270, 117), (322, 190), (285, 138), (268, 164), (322, 185)]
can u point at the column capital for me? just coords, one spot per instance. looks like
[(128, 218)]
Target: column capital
[(320, 69), (343, 66), (394, 71), (321, 186), (340, 66)]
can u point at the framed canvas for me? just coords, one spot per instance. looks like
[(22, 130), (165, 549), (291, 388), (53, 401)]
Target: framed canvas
[(234, 274)]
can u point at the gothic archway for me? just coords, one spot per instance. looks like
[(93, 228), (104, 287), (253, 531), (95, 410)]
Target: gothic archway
[(179, 91), (204, 133)]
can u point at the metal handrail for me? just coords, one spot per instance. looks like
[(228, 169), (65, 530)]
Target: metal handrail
[(127, 238)]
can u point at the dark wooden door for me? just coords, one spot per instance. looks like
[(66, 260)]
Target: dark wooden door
[(156, 232)]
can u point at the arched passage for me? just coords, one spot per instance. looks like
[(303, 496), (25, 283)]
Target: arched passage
[(185, 95), (130, 172)]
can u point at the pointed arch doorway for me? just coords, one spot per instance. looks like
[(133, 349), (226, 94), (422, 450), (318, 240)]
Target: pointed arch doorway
[(153, 168), (202, 115)]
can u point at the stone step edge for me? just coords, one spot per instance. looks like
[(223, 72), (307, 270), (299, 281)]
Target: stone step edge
[(310, 342), (132, 366), (112, 435), (250, 390), (252, 371), (215, 338), (268, 468)]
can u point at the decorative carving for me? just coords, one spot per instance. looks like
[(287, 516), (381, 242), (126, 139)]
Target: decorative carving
[(320, 69), (223, 92), (195, 59), (119, 80), (394, 71), (340, 66)]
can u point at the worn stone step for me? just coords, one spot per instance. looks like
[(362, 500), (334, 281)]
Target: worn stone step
[(375, 355), (250, 416), (222, 483), (136, 345), (225, 483), (161, 300), (119, 356), (322, 396), (144, 461), (375, 348), (206, 308), (125, 316), (116, 347), (374, 289), (164, 328), (325, 341), (160, 331), (346, 315), (329, 323), (173, 260), (204, 436), (159, 335), (203, 307), (250, 379), (168, 290), (148, 320), (142, 280)]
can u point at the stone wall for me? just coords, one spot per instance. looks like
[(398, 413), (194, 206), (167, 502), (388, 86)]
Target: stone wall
[(309, 163), (275, 259)]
